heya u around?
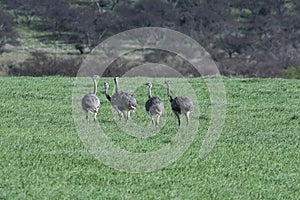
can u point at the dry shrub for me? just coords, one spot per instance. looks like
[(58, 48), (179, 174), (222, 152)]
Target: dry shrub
[(41, 64)]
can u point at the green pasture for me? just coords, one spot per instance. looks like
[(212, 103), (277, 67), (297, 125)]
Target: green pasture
[(257, 155)]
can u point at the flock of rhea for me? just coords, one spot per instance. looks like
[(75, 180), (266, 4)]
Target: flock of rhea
[(124, 103)]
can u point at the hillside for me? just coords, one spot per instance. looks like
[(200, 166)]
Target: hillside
[(245, 39)]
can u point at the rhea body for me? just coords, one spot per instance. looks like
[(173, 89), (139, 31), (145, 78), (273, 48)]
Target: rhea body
[(90, 102), (154, 106), (180, 105), (122, 102)]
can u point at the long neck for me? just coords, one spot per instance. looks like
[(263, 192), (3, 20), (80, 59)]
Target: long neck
[(149, 92), (95, 86), (106, 94), (169, 94), (117, 86)]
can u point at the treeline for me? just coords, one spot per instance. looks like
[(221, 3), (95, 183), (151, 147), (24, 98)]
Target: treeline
[(245, 38)]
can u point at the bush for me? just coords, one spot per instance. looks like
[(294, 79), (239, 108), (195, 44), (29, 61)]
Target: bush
[(291, 72), (40, 64)]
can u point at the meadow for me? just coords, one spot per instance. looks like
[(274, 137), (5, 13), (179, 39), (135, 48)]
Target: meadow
[(256, 157)]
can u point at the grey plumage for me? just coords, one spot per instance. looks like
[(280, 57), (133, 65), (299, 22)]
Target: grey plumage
[(122, 102), (90, 102), (154, 106), (113, 99), (180, 104)]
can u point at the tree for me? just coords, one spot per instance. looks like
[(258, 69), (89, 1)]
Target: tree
[(56, 15), (29, 9), (83, 23), (7, 33)]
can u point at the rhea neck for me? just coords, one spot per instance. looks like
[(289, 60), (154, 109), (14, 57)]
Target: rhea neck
[(116, 84), (149, 92), (95, 86), (106, 94), (169, 94)]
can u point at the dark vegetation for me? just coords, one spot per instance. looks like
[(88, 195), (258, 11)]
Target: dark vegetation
[(7, 33), (39, 64), (245, 38)]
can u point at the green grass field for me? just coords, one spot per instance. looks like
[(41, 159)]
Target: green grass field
[(256, 157)]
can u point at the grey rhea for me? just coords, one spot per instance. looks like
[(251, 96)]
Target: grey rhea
[(90, 102), (122, 102), (154, 106), (180, 105)]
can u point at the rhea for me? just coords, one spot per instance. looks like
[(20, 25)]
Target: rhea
[(180, 105), (154, 106), (122, 102), (112, 99), (90, 102)]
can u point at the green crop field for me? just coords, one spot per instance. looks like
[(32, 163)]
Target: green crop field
[(257, 156)]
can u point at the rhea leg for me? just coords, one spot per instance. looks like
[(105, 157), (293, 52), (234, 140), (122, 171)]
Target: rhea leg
[(87, 116), (187, 115), (120, 115), (126, 116), (178, 118), (95, 116), (119, 112), (153, 120), (157, 119)]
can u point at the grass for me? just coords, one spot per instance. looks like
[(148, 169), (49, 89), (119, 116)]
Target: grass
[(256, 157)]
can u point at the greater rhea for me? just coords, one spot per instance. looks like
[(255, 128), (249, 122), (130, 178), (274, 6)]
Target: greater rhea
[(154, 106), (90, 102), (180, 105), (122, 102), (112, 99)]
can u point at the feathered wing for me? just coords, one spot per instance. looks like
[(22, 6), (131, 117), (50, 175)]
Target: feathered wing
[(175, 104), (182, 104), (156, 109), (185, 103), (125, 101), (154, 105), (114, 99), (132, 102), (91, 103)]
